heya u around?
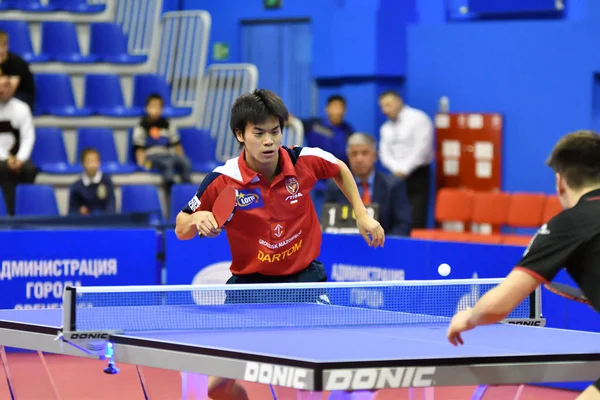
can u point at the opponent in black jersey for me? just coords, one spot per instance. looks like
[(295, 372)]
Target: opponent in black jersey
[(570, 240)]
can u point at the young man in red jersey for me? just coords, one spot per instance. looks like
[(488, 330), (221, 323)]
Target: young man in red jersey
[(275, 234)]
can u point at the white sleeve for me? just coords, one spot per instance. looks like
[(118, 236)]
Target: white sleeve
[(386, 152), (422, 133), (26, 133)]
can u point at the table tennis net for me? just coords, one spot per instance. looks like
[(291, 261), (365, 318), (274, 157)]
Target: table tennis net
[(150, 308)]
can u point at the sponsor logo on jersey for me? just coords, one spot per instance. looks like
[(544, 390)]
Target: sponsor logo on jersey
[(277, 230), (194, 203), (270, 257), (292, 185), (249, 199)]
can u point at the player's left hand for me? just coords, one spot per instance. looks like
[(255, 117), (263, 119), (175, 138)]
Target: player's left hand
[(370, 230), (460, 323)]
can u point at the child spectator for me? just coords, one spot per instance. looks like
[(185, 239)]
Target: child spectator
[(94, 192), (157, 144)]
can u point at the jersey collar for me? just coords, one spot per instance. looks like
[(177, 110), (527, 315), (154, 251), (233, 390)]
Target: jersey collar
[(591, 195), (286, 167)]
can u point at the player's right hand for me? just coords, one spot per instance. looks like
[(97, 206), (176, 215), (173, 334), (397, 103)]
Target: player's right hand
[(206, 224)]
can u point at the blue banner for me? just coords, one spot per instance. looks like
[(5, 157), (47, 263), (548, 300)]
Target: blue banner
[(36, 265)]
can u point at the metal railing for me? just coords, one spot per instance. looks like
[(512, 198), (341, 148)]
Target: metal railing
[(222, 84), (139, 20), (293, 133), (183, 50)]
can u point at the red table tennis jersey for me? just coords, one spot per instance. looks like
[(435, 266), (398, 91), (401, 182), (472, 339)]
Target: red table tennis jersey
[(275, 229)]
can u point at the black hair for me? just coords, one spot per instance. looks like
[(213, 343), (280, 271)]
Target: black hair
[(576, 157), (336, 97), (86, 152), (256, 108), (154, 96), (389, 93)]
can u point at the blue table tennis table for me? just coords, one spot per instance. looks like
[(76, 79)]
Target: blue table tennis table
[(310, 337)]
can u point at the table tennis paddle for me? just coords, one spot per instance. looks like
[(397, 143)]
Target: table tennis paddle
[(224, 206), (568, 292)]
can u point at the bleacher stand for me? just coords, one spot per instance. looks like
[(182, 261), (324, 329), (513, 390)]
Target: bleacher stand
[(94, 63)]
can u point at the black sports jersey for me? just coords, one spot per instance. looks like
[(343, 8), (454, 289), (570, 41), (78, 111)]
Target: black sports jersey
[(570, 240)]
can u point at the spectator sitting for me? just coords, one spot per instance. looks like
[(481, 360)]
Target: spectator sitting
[(331, 133), (94, 192), (17, 136), (157, 144), (17, 69), (387, 191)]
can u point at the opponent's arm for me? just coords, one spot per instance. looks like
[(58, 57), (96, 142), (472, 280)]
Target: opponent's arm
[(495, 305), (499, 302)]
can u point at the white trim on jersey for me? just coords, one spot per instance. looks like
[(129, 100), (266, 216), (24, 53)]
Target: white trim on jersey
[(317, 152), (230, 169)]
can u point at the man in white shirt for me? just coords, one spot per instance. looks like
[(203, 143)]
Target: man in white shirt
[(17, 137), (406, 149)]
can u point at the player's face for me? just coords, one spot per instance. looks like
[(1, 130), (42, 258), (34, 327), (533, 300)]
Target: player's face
[(335, 112), (390, 106), (361, 159), (262, 142), (91, 164)]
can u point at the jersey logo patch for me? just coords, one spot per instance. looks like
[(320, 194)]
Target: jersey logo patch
[(249, 199), (292, 185), (277, 230), (194, 203)]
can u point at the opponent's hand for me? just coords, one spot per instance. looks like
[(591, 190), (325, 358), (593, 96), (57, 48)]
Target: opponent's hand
[(370, 230), (460, 323), (206, 224)]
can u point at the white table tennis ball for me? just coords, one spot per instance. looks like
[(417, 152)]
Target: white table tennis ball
[(444, 269)]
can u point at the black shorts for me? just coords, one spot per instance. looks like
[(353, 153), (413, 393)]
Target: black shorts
[(315, 272), (597, 384)]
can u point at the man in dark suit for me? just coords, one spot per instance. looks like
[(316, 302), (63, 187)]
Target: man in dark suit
[(387, 191)]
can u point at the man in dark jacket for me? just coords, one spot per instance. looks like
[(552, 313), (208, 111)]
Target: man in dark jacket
[(376, 187)]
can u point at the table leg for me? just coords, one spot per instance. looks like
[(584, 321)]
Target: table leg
[(479, 392), (519, 392)]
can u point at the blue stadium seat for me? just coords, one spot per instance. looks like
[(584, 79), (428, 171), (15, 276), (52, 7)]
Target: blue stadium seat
[(103, 96), (141, 198), (181, 193), (32, 199), (145, 84), (200, 147), (59, 41), (19, 40), (76, 6), (3, 212), (109, 44), (54, 95), (28, 5), (103, 141), (49, 153)]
